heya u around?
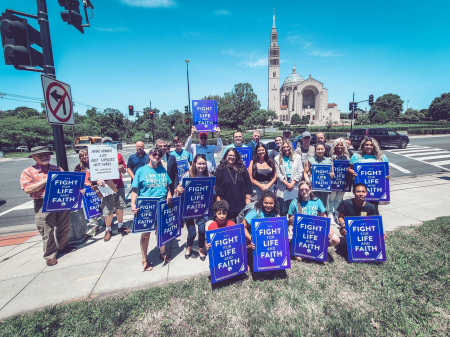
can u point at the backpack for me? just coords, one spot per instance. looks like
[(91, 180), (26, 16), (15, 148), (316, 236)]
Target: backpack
[(245, 211)]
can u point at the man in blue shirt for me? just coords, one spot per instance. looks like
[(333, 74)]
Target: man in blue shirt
[(137, 160), (203, 148), (237, 142), (255, 141)]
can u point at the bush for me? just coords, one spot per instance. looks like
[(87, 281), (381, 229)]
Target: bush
[(433, 131), (278, 124), (380, 118), (335, 135)]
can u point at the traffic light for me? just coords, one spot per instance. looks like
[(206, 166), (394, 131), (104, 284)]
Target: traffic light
[(356, 116), (152, 115), (186, 109), (17, 37), (131, 110), (72, 13), (186, 121), (350, 106), (370, 99)]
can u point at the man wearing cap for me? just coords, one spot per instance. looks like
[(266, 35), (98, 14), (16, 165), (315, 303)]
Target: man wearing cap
[(287, 134), (203, 148), (237, 142), (114, 202), (321, 140), (50, 225), (306, 150), (255, 141)]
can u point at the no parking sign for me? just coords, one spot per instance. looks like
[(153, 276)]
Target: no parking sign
[(58, 101)]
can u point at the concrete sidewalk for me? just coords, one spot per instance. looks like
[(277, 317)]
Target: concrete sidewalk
[(98, 268)]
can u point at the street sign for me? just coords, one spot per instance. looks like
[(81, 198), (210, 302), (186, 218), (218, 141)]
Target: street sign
[(58, 101), (147, 135)]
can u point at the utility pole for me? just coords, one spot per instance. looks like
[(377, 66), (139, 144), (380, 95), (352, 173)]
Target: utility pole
[(153, 124), (353, 113), (189, 95), (49, 69)]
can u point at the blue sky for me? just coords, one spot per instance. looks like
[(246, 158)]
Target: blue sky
[(135, 50)]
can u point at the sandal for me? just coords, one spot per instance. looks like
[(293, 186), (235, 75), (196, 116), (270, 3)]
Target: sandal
[(165, 257), (148, 266)]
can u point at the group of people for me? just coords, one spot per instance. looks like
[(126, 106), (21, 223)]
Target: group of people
[(276, 183)]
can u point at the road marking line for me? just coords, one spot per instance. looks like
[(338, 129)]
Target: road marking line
[(27, 205), (409, 152), (446, 162), (427, 153), (432, 157), (401, 169), (410, 149)]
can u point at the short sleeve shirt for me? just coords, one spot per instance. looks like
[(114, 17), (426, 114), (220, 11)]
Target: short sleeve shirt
[(253, 215), (214, 225), (135, 162), (152, 183), (348, 208), (366, 158), (34, 174), (310, 207), (182, 155)]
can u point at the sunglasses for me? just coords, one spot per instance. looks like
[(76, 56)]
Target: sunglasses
[(156, 155)]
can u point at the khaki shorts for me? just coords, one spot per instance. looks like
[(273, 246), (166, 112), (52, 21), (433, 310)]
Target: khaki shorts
[(114, 201)]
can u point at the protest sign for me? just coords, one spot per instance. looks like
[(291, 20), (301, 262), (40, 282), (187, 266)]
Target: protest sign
[(145, 220), (197, 197), (183, 166), (310, 237), (270, 236), (341, 181), (246, 154), (103, 162), (294, 145), (91, 203), (228, 252), (62, 191), (321, 180), (373, 175), (205, 115), (169, 221), (365, 241)]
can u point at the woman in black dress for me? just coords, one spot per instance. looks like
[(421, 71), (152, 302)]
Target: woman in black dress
[(262, 171), (233, 182)]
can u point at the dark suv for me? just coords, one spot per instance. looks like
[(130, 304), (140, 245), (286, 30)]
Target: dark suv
[(384, 137)]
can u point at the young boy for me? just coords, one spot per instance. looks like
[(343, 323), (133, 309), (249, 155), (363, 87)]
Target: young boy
[(355, 207), (179, 152), (220, 209)]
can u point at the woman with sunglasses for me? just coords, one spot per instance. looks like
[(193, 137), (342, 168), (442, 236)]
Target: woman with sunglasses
[(262, 171), (152, 181), (198, 169), (369, 152), (233, 183)]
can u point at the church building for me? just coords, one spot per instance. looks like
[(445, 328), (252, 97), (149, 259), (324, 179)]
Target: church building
[(306, 97)]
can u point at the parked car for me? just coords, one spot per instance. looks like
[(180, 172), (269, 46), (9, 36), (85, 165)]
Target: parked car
[(384, 137), (119, 144), (22, 148)]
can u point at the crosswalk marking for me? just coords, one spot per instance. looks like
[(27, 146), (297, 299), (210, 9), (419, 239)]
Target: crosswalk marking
[(433, 157), (445, 162), (425, 155), (401, 169), (410, 151)]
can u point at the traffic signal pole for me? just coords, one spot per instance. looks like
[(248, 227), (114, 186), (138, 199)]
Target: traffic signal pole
[(353, 113), (49, 69)]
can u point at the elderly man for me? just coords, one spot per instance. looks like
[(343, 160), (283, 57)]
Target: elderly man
[(170, 164), (320, 137), (137, 160), (306, 150), (237, 142), (203, 148), (255, 141), (50, 225)]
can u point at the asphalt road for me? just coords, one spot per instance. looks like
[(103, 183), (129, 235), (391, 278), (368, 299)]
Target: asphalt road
[(424, 155)]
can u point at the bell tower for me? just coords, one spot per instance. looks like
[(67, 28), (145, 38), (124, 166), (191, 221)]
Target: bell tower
[(274, 69)]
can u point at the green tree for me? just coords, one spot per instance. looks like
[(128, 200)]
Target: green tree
[(362, 120), (239, 104), (380, 118), (344, 116), (440, 107), (30, 131), (259, 119), (413, 115), (296, 119), (305, 120), (390, 104)]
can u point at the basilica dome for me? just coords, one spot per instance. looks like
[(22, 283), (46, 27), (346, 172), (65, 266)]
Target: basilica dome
[(293, 78)]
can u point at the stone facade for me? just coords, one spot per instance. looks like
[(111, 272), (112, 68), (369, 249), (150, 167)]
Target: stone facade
[(306, 97)]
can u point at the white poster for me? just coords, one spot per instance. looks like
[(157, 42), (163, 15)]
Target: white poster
[(103, 162)]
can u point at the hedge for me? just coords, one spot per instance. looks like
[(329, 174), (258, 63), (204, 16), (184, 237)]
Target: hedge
[(426, 131)]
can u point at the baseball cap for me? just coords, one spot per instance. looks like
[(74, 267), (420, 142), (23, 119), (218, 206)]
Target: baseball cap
[(306, 134), (106, 139), (203, 134), (287, 131)]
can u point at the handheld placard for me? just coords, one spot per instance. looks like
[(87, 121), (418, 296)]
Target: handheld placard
[(169, 221), (197, 197), (205, 116), (321, 180), (373, 175), (145, 220), (62, 191)]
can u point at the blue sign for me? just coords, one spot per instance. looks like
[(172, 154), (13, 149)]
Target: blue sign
[(145, 220), (197, 197), (228, 252), (270, 236), (373, 175), (91, 203), (169, 221), (365, 242), (62, 191), (321, 180), (310, 237), (205, 116), (341, 181), (183, 166), (246, 154), (294, 145)]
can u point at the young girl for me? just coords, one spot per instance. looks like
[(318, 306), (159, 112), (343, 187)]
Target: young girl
[(198, 169), (309, 205)]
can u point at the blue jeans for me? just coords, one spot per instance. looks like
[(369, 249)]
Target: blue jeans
[(191, 224), (284, 206)]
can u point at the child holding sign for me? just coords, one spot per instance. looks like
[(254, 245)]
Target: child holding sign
[(308, 204)]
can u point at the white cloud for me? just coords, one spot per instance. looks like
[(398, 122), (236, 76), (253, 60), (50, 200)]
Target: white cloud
[(252, 64), (321, 53), (149, 3), (112, 29), (222, 12)]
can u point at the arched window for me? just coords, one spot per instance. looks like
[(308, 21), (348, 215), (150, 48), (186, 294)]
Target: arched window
[(274, 74), (308, 99)]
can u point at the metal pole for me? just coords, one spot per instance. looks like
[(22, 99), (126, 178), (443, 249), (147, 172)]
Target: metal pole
[(153, 125), (189, 95), (353, 114), (49, 69)]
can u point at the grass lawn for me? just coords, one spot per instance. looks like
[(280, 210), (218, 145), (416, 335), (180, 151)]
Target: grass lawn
[(409, 295)]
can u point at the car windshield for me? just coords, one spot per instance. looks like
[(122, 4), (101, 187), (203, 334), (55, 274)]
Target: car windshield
[(359, 132), (84, 142)]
